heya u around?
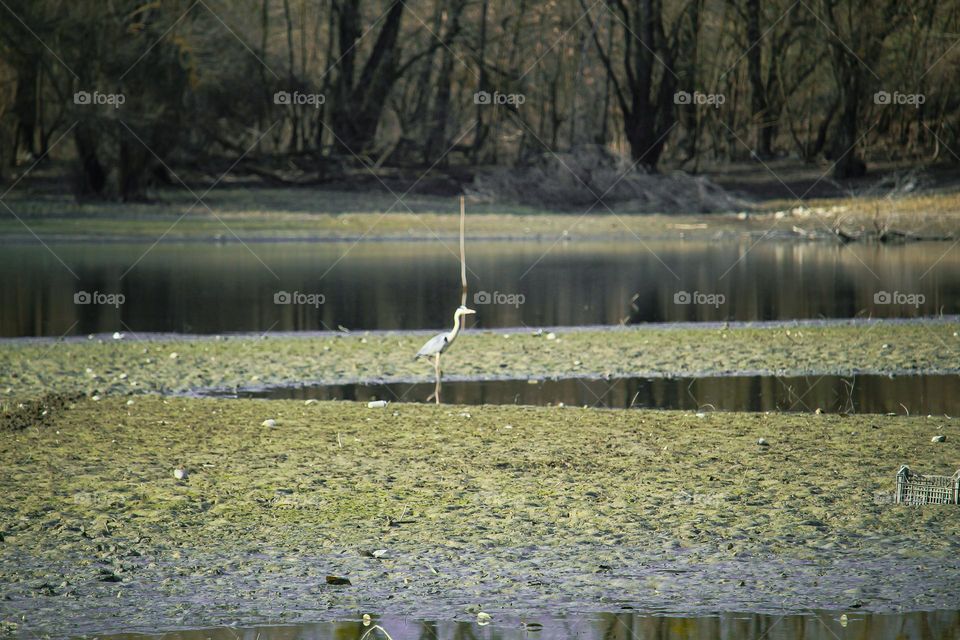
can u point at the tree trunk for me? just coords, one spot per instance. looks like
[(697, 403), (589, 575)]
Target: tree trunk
[(91, 178), (758, 95), (291, 79), (25, 107), (133, 169), (360, 103), (437, 136), (481, 129), (848, 163)]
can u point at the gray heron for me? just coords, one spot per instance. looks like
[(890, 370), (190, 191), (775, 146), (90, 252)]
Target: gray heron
[(440, 343)]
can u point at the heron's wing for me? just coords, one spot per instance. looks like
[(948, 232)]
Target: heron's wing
[(433, 346)]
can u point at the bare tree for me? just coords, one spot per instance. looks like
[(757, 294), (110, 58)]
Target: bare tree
[(644, 85)]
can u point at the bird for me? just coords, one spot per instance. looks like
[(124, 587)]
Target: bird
[(440, 343)]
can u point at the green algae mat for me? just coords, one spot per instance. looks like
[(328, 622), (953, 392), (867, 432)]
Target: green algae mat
[(30, 368), (339, 509)]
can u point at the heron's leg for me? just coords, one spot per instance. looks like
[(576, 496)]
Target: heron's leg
[(436, 372)]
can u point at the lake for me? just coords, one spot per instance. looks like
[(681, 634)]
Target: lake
[(915, 394), (816, 625), (291, 286)]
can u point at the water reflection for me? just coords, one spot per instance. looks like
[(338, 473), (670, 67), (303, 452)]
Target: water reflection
[(818, 625), (215, 288), (924, 394)]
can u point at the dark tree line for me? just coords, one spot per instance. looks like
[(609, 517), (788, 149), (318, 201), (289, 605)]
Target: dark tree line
[(682, 84)]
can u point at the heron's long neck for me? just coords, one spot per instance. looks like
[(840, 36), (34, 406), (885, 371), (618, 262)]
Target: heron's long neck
[(456, 328)]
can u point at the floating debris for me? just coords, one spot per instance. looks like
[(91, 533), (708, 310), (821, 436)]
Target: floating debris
[(376, 404), (180, 473)]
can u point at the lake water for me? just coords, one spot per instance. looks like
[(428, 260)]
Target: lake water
[(923, 394), (216, 288), (817, 625)]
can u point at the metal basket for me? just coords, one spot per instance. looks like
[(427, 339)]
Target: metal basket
[(916, 488)]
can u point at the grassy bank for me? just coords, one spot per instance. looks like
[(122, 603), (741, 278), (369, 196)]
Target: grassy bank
[(505, 508), (260, 214), (30, 369)]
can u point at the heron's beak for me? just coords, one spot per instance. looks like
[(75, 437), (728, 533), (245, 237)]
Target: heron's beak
[(468, 311)]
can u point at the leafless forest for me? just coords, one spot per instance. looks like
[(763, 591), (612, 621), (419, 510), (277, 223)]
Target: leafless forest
[(293, 91)]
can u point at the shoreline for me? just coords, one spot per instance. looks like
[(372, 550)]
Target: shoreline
[(320, 215), (721, 234)]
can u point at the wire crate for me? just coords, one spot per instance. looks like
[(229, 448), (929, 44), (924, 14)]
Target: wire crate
[(916, 488)]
